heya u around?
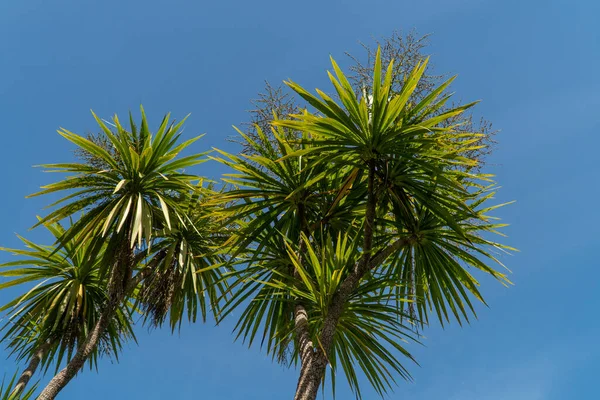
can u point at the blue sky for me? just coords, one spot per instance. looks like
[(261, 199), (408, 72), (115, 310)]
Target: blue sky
[(533, 63)]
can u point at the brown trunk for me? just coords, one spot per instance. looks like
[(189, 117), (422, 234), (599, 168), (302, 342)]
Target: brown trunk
[(77, 362), (314, 365), (61, 379), (309, 381), (311, 360), (116, 295), (34, 362), (314, 362), (311, 376)]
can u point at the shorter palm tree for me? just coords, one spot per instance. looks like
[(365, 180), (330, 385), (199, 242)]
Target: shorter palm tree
[(135, 193), (188, 264), (371, 330), (65, 296)]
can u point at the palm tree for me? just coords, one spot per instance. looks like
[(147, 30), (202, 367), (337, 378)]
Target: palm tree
[(279, 193), (134, 196), (50, 319), (393, 178), (187, 277)]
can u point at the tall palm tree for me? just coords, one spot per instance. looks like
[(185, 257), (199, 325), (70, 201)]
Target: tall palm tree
[(418, 223), (133, 197), (50, 319)]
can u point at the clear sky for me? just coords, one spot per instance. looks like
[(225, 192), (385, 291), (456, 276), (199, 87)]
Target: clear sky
[(535, 65)]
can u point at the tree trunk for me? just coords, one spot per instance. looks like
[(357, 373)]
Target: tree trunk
[(61, 379), (309, 381), (314, 363), (34, 362), (311, 376), (117, 294)]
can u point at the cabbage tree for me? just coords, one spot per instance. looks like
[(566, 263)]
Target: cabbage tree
[(378, 202)]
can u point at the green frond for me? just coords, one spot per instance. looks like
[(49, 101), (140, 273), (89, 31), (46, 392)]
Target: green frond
[(64, 294), (140, 188), (309, 191)]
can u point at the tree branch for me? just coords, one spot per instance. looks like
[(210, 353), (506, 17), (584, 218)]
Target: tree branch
[(144, 273), (346, 288), (383, 254)]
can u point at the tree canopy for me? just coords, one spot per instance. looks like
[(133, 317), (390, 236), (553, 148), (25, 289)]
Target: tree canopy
[(352, 218)]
